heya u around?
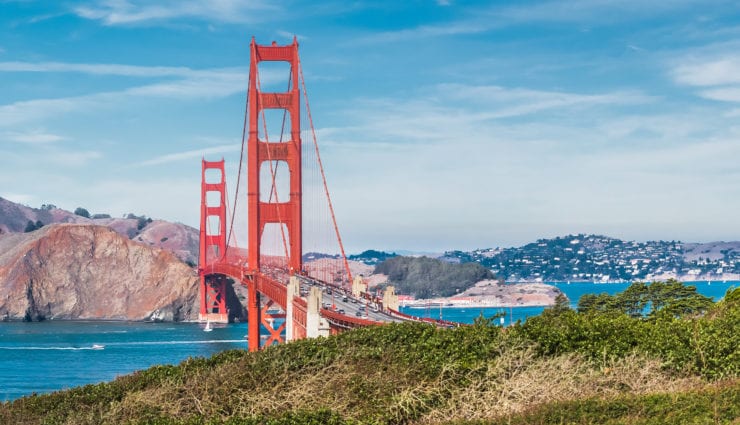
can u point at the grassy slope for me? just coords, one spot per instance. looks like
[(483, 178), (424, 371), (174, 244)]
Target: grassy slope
[(413, 373)]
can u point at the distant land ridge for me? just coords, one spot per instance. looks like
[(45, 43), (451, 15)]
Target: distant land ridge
[(179, 238), (595, 258)]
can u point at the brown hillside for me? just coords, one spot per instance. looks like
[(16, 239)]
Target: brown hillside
[(74, 271)]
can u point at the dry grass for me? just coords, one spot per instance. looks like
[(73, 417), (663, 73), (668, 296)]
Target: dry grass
[(507, 384), (518, 380)]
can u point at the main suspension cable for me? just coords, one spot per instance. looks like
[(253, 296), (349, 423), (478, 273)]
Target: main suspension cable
[(323, 176), (239, 171)]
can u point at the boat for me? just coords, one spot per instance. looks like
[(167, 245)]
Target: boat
[(98, 346), (208, 327)]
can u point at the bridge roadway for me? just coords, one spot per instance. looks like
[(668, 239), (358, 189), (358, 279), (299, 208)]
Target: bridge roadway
[(338, 305), (342, 302)]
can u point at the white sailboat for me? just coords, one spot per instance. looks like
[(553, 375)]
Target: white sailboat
[(208, 327)]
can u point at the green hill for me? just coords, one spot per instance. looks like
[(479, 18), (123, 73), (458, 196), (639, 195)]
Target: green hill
[(426, 277), (561, 367)]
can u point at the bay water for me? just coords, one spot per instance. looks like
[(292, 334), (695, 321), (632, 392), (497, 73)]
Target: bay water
[(48, 356)]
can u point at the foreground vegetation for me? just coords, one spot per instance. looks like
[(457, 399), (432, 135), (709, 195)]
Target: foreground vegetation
[(595, 366)]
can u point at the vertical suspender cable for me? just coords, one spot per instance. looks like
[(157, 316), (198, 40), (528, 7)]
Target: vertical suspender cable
[(323, 176), (239, 171)]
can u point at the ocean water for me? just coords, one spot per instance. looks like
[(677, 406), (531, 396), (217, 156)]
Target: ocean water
[(47, 356), (714, 289), (55, 355)]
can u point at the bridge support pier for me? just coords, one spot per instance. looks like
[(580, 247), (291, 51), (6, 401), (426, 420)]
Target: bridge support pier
[(293, 290), (358, 287), (312, 314), (390, 299)]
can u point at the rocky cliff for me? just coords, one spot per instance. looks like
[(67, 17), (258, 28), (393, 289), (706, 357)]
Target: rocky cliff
[(82, 271)]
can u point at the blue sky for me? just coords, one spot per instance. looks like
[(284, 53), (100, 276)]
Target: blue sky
[(442, 124)]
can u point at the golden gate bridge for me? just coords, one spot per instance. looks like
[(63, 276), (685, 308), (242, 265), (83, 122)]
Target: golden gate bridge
[(284, 293)]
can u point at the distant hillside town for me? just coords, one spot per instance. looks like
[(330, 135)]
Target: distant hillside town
[(595, 258)]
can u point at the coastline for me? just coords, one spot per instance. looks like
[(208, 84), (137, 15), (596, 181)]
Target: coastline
[(491, 294), (436, 303)]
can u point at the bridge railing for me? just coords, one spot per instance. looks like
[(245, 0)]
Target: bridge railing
[(438, 322)]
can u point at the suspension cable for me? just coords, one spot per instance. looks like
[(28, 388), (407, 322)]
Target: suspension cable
[(323, 176), (239, 171)]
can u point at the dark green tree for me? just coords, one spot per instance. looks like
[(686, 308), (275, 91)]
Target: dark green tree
[(587, 303), (632, 300), (30, 226), (562, 303), (592, 303), (676, 298), (82, 212), (142, 221)]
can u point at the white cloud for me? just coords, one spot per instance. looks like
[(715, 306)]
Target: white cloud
[(591, 12), (448, 110), (502, 102), (506, 161), (709, 72), (180, 156), (288, 36), (38, 109), (191, 84), (206, 85), (101, 69), (466, 26), (68, 158), (586, 12), (714, 69), (32, 137), (73, 159), (128, 12), (725, 94)]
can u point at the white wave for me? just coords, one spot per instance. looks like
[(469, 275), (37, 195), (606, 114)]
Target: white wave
[(182, 342), (47, 348)]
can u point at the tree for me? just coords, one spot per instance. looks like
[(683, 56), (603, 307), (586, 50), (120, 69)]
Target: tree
[(676, 298), (672, 298), (562, 303), (82, 212), (586, 303), (31, 226), (142, 221), (633, 300), (592, 303)]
